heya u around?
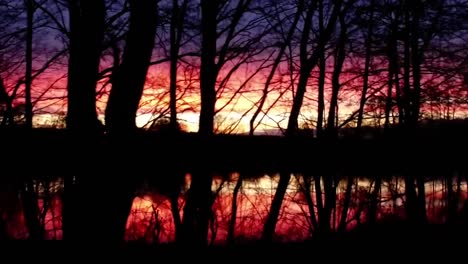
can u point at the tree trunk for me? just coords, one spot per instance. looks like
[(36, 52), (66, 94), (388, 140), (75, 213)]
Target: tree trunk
[(129, 81), (346, 203), (321, 95), (304, 72), (451, 199), (421, 198), (272, 218), (388, 102), (308, 63), (310, 203), (416, 62), (85, 49), (406, 75), (31, 211), (416, 95), (83, 65), (275, 65), (28, 77), (319, 201), (374, 202), (321, 80), (113, 214), (339, 60), (411, 203), (173, 66), (329, 205), (365, 81), (394, 67), (232, 223), (177, 25), (401, 113), (174, 200), (208, 66), (197, 210)]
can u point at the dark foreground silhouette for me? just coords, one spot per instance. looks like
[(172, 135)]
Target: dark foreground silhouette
[(438, 148), (386, 242), (56, 153)]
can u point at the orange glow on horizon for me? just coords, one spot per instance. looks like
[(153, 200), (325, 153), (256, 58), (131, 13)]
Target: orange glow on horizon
[(237, 104)]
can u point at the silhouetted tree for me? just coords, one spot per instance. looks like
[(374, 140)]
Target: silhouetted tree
[(232, 222), (128, 81), (228, 31), (322, 75), (307, 64), (85, 50), (84, 56), (30, 8), (176, 30), (31, 211), (365, 81), (284, 44), (340, 55), (130, 76), (197, 209), (346, 204)]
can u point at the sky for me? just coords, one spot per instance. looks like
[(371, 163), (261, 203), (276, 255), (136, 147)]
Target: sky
[(49, 89)]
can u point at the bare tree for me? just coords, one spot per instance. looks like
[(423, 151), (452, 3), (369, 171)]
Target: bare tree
[(30, 7), (176, 28), (368, 47), (85, 49), (307, 64), (130, 76), (284, 44), (85, 53)]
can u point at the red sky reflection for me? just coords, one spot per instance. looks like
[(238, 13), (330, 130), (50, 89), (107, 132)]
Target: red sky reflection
[(150, 219), (254, 201)]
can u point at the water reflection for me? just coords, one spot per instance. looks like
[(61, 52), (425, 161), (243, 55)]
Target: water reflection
[(151, 220), (294, 223)]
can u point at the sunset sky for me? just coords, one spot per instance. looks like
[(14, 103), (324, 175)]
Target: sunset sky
[(359, 90), (443, 69)]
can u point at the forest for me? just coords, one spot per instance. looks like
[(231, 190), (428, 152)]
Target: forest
[(228, 122)]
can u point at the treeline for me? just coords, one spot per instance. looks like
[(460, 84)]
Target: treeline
[(271, 65)]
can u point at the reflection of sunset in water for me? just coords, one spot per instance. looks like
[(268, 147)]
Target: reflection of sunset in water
[(254, 201), (151, 219)]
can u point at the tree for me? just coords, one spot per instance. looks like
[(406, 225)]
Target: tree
[(30, 8), (307, 63), (221, 22), (283, 45), (85, 50), (129, 79), (340, 55), (232, 222), (198, 207), (368, 46), (176, 28)]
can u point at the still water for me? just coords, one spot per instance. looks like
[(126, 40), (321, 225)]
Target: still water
[(151, 219)]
